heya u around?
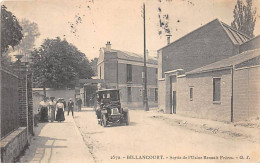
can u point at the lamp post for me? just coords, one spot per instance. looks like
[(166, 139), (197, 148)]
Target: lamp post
[(145, 69)]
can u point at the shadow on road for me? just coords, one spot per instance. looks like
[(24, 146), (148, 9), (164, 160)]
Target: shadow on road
[(38, 146)]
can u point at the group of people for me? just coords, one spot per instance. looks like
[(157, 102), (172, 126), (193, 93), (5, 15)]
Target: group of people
[(53, 110)]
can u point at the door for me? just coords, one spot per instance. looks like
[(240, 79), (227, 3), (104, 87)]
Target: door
[(173, 102)]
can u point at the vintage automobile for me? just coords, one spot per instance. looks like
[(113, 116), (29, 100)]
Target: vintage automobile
[(108, 108)]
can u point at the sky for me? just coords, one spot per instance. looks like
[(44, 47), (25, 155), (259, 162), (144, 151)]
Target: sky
[(120, 21)]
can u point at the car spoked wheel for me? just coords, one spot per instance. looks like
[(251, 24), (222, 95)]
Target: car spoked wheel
[(127, 119)]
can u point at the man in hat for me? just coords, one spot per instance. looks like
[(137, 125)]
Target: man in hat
[(70, 107)]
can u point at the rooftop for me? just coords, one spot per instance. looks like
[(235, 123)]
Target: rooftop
[(125, 55), (228, 62), (235, 36)]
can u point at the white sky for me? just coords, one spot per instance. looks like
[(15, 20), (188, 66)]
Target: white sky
[(120, 21)]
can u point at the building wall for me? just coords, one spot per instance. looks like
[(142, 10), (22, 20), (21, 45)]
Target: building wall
[(110, 73), (111, 66), (246, 93), (161, 98), (201, 47), (100, 68), (137, 97), (202, 105)]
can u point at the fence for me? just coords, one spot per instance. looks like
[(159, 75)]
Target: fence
[(9, 101)]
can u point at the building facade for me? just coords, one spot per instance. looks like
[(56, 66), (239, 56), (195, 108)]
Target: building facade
[(226, 90), (124, 70), (208, 44)]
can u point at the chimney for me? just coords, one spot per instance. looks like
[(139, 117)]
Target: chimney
[(108, 46), (168, 39)]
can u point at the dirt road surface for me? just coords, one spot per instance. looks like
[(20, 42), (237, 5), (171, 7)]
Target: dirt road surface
[(149, 140)]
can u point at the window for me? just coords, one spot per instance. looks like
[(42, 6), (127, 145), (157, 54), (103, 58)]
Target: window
[(129, 72), (141, 92), (191, 93), (156, 71), (156, 94), (129, 95), (216, 89)]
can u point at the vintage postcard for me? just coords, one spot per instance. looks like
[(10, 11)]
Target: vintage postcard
[(130, 81)]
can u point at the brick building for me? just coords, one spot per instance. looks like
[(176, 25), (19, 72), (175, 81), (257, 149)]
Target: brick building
[(208, 44), (124, 70), (227, 90), (16, 109)]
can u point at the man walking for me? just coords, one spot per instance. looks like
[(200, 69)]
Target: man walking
[(70, 107)]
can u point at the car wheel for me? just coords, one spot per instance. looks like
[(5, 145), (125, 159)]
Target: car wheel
[(127, 119)]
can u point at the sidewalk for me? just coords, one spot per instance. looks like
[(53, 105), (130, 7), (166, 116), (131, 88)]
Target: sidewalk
[(57, 143), (246, 130)]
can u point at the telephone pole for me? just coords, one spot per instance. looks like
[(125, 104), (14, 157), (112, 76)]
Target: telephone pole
[(146, 107)]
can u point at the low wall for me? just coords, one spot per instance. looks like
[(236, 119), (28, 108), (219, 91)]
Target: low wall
[(38, 96), (13, 145)]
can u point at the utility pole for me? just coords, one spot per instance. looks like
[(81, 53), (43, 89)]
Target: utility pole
[(145, 69)]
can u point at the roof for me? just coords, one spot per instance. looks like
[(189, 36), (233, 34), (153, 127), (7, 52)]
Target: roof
[(228, 62), (125, 55), (235, 36)]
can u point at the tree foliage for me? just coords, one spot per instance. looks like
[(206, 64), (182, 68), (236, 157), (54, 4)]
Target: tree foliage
[(244, 17), (30, 32), (58, 64), (11, 31), (93, 64)]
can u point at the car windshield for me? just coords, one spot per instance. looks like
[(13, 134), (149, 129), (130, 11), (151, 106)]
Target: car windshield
[(109, 95)]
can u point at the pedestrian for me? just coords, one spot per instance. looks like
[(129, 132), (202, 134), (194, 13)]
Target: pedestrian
[(64, 103), (79, 103), (43, 110), (60, 111), (52, 108), (70, 107)]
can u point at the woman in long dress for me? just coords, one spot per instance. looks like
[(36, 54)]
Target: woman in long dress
[(52, 108), (43, 110), (60, 111)]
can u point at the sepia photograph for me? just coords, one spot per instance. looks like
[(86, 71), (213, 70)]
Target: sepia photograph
[(130, 81)]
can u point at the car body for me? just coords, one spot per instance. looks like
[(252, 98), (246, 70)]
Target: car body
[(108, 108)]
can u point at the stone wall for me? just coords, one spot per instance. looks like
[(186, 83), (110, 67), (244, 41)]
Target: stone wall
[(13, 144)]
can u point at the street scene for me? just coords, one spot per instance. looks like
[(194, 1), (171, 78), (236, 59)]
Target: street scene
[(130, 81), (147, 139)]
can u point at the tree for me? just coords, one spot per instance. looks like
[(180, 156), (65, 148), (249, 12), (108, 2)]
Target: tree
[(30, 32), (11, 31), (244, 17), (58, 64), (93, 65)]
